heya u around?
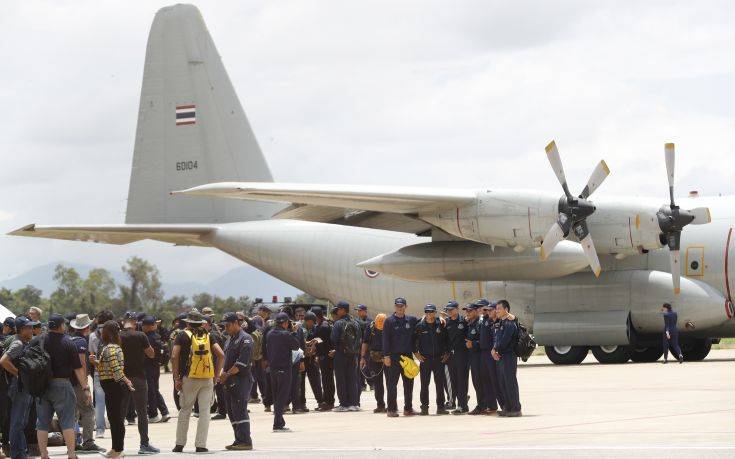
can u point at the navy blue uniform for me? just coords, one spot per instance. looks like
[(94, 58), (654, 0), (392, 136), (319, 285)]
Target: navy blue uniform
[(238, 352), (670, 319), (432, 343), (153, 375), (487, 369), (280, 344), (494, 368), (326, 363), (458, 360), (508, 364), (397, 341), (311, 365), (361, 381), (345, 367), (474, 355), (374, 340), (295, 373)]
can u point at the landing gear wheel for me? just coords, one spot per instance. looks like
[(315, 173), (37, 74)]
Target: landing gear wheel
[(566, 355), (696, 350), (612, 354), (646, 354)]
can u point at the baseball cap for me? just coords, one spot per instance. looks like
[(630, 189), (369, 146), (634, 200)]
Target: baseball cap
[(263, 307), (482, 302), (451, 305), (343, 305), (430, 308), (230, 317), (149, 320), (9, 322), (55, 321), (401, 301), (23, 321), (281, 318), (361, 307), (470, 307), (130, 315)]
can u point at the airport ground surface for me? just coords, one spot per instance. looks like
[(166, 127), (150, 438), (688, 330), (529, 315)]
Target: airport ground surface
[(631, 410)]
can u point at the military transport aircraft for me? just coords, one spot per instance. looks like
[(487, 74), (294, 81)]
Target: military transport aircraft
[(582, 275)]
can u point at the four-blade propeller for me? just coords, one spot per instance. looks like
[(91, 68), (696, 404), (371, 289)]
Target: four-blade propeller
[(573, 211), (672, 219)]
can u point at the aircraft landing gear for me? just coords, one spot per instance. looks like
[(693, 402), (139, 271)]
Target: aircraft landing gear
[(566, 355), (696, 350), (646, 354), (612, 354)]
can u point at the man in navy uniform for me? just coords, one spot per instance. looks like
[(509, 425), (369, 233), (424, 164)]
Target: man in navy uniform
[(671, 334), (326, 361), (458, 357), (398, 341), (156, 402), (311, 364), (472, 342), (237, 380), (488, 377), (279, 346), (361, 315), (504, 353), (430, 347), (372, 345), (345, 361)]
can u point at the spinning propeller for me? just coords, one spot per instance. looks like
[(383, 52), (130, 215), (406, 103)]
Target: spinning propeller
[(573, 211), (672, 219)]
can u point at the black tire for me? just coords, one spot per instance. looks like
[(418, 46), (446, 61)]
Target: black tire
[(612, 354), (566, 355), (646, 354), (696, 350)]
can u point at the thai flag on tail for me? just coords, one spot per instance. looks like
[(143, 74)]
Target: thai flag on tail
[(186, 114)]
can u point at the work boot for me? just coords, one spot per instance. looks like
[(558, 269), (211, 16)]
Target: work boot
[(392, 414), (514, 414), (503, 414), (178, 449), (424, 411), (410, 412), (489, 411), (281, 430), (201, 450), (219, 417), (380, 409), (239, 447), (475, 411), (164, 418), (681, 359), (90, 446), (267, 409), (441, 411), (460, 411)]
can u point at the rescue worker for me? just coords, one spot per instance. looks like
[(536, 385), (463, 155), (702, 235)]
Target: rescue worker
[(280, 344), (371, 360), (489, 381), (472, 341), (344, 333), (311, 363), (493, 367), (156, 402), (671, 334), (326, 361), (297, 367), (430, 348), (361, 315), (457, 363), (504, 353), (398, 332), (237, 379)]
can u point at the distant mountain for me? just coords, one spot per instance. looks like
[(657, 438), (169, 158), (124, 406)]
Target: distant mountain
[(244, 280)]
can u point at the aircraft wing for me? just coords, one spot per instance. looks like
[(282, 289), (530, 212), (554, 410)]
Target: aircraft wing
[(179, 234), (400, 200)]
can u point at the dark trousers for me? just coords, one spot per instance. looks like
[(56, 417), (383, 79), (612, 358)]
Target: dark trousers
[(507, 368), (5, 414), (326, 366), (345, 372), (281, 387), (475, 364), (155, 399), (237, 392), (139, 400), (674, 343), (268, 394), (376, 369), (116, 405), (432, 365), (459, 374), (488, 380), (315, 381), (21, 405), (495, 378), (260, 380), (295, 397), (219, 391), (392, 374)]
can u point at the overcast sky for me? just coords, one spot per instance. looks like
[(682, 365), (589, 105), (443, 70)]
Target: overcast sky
[(457, 93)]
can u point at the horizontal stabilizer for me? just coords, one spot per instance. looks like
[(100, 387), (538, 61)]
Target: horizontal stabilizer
[(403, 200), (120, 234)]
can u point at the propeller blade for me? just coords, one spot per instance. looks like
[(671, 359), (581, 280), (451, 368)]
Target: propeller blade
[(552, 238), (589, 251), (669, 152), (702, 215), (598, 176), (675, 270), (555, 160)]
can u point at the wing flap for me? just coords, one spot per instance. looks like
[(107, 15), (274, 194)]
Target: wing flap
[(178, 234)]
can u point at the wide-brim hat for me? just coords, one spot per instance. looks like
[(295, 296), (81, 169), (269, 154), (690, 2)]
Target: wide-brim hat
[(80, 322), (194, 317)]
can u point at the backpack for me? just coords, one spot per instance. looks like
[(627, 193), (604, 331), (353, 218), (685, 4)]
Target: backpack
[(351, 341), (201, 365), (525, 344), (34, 368), (257, 354)]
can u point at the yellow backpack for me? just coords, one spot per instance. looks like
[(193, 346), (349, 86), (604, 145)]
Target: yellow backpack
[(201, 365), (410, 368)]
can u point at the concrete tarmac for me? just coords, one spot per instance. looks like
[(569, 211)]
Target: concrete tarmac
[(631, 410)]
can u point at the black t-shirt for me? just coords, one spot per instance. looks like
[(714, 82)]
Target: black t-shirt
[(133, 346), (63, 353), (183, 340)]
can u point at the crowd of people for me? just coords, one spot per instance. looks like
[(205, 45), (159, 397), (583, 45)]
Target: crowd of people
[(221, 365)]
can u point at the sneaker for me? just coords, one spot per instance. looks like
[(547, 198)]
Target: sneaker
[(424, 411), (239, 447), (165, 418), (392, 414), (148, 449), (380, 409), (100, 434), (196, 415), (201, 450), (281, 430), (178, 449), (153, 420), (219, 417), (90, 447), (681, 359), (341, 409), (354, 408)]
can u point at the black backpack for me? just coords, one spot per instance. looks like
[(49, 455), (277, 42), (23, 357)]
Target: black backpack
[(34, 367), (351, 338), (525, 345)]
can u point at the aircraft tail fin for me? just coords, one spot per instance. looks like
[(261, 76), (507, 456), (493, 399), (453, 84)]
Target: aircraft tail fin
[(191, 129)]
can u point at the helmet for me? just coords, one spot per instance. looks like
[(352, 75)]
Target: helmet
[(310, 316), (379, 320)]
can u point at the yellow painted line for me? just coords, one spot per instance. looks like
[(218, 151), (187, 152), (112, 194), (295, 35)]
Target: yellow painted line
[(454, 291)]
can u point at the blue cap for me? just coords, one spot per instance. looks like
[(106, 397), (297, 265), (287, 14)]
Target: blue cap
[(148, 320), (343, 305), (181, 316), (70, 316), (451, 305), (430, 308), (9, 322), (482, 302), (130, 315), (361, 307), (401, 301), (470, 307), (230, 317), (282, 318), (493, 304), (263, 307), (55, 321), (23, 321), (317, 310), (140, 316)]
